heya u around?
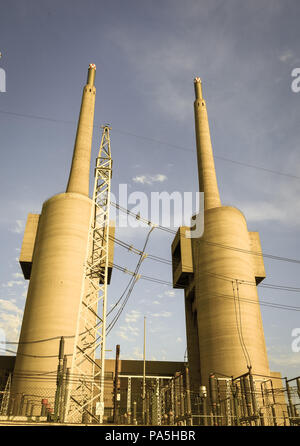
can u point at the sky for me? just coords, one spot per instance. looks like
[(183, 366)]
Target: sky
[(147, 54)]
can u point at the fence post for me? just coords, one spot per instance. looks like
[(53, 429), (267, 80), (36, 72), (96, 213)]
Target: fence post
[(188, 398), (290, 406), (182, 411), (147, 408), (253, 395), (66, 394), (134, 413), (116, 386), (235, 403)]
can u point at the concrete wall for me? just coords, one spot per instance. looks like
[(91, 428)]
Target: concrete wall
[(229, 328), (53, 297)]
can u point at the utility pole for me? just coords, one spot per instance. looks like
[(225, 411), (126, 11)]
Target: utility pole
[(59, 379), (213, 398), (116, 387), (62, 391), (144, 376), (66, 393)]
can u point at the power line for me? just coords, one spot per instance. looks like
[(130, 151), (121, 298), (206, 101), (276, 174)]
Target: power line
[(164, 282), (143, 255), (222, 158), (133, 282), (220, 245), (153, 280), (169, 262), (155, 141)]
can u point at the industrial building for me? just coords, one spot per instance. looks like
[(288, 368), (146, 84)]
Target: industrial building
[(67, 256)]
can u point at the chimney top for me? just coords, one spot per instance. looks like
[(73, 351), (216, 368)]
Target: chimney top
[(198, 88)]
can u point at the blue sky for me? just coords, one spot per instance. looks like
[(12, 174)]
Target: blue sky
[(147, 54)]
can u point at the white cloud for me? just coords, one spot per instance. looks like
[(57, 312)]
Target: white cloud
[(150, 179), (162, 314), (262, 211), (137, 353), (155, 302), (291, 359), (129, 331), (10, 319), (179, 339), (24, 294), (156, 329), (169, 293), (8, 305), (19, 227), (174, 62), (123, 335), (18, 275), (132, 316), (286, 56), (12, 283), (284, 205)]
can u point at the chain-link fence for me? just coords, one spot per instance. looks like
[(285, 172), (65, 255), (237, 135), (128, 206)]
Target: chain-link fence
[(247, 400)]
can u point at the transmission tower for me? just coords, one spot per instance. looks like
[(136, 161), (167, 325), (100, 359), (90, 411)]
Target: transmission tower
[(87, 376)]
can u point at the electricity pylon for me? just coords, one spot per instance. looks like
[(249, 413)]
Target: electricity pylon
[(87, 376)]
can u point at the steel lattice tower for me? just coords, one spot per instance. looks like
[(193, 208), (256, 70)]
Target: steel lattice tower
[(87, 376)]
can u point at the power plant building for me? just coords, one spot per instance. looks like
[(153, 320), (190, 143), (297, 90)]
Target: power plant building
[(52, 259), (219, 271)]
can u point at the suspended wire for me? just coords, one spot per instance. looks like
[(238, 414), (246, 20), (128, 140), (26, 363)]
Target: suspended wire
[(54, 338), (155, 141), (167, 283), (119, 300), (238, 326), (32, 356), (164, 282), (172, 231), (221, 276), (113, 322), (264, 303), (222, 158), (248, 360), (169, 262), (132, 283)]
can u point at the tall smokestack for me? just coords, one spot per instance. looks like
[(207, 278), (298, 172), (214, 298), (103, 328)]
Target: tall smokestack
[(80, 168), (218, 273), (53, 256), (206, 166)]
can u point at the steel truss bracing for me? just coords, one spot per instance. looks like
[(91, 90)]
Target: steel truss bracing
[(5, 396), (87, 376)]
